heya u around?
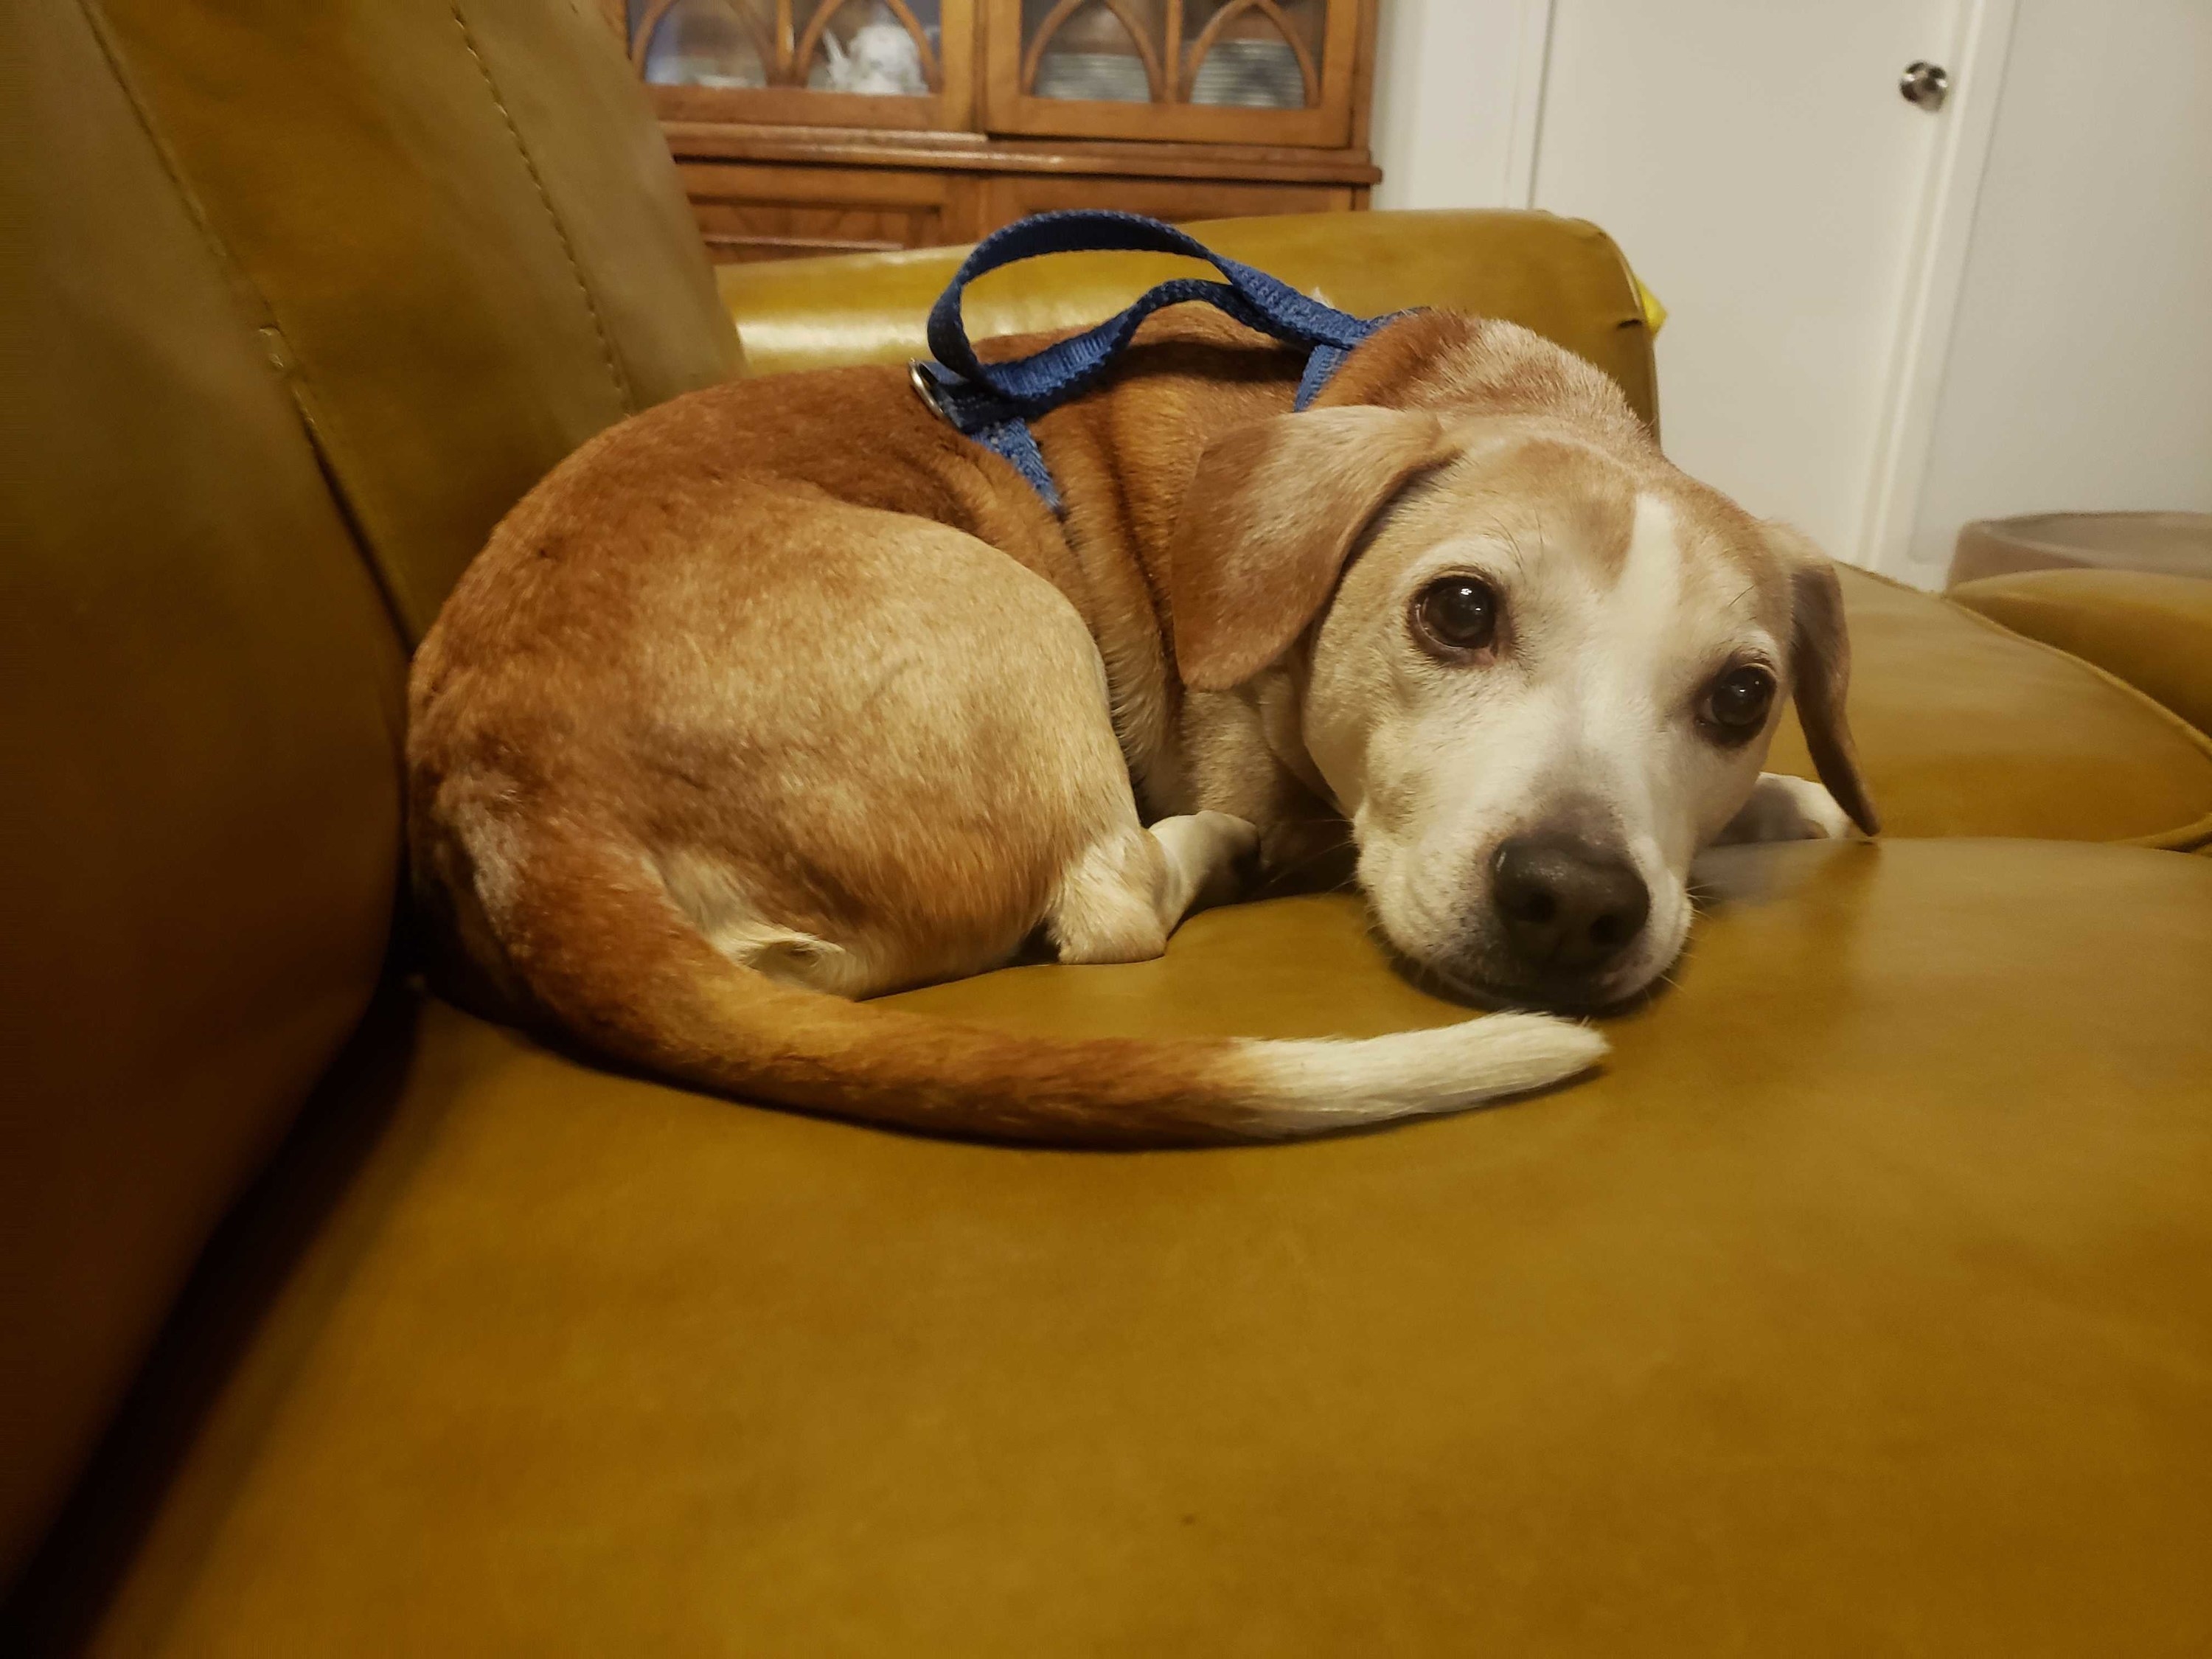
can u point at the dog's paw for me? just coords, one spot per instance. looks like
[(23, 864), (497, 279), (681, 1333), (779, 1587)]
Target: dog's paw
[(1209, 856), (1784, 808), (1235, 838), (1232, 857)]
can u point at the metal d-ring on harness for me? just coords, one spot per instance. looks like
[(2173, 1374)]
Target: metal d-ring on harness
[(994, 403)]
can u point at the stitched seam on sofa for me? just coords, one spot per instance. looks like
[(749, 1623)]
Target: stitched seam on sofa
[(259, 313), (2185, 838), (614, 369), (320, 420)]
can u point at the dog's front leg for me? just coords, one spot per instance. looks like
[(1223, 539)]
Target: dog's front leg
[(1784, 808), (1124, 895)]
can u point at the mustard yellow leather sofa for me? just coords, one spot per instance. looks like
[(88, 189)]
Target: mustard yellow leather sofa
[(1863, 1304)]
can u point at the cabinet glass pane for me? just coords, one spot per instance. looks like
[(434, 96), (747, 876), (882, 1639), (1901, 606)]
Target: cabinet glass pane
[(1253, 54), (706, 43), (1106, 51), (881, 48), (1247, 54)]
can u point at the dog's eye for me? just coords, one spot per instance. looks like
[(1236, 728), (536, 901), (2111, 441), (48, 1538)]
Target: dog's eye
[(1736, 703), (1458, 612)]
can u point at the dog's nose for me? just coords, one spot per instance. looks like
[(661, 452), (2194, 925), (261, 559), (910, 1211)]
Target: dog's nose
[(1568, 905)]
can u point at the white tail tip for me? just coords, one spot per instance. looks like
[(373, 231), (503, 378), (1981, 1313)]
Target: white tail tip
[(1311, 1087)]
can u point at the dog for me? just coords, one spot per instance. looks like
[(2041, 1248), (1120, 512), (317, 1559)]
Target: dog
[(783, 694)]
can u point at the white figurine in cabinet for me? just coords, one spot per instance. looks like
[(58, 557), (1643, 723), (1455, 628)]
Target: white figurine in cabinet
[(881, 60)]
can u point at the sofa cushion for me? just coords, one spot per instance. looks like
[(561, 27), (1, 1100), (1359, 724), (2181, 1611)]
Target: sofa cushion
[(1864, 1303), (2153, 631), (1966, 728)]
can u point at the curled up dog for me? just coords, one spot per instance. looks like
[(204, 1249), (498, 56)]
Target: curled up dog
[(785, 693)]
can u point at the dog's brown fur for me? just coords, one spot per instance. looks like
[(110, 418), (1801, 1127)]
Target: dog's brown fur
[(565, 746)]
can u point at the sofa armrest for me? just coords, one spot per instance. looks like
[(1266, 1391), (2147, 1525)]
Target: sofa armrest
[(2153, 631)]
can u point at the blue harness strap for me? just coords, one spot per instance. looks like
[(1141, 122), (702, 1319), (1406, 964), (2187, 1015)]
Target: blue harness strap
[(994, 403)]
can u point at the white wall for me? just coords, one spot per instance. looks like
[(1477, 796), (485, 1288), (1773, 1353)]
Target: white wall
[(1447, 73), (2079, 375), (2079, 372)]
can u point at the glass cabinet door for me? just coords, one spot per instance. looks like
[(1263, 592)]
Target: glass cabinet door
[(1223, 71), (817, 62)]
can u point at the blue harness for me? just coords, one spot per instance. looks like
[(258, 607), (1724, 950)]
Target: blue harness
[(994, 403)]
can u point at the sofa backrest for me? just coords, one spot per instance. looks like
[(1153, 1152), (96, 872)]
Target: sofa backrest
[(460, 223), (299, 299), (1565, 278)]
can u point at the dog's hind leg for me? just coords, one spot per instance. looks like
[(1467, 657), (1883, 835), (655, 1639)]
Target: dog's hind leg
[(1124, 894)]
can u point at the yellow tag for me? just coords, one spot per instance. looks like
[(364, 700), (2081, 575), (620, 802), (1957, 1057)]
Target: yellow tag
[(1654, 314)]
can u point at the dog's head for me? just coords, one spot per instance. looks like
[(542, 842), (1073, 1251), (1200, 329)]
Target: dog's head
[(1537, 666)]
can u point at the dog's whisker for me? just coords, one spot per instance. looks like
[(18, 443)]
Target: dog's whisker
[(1505, 533), (1278, 876)]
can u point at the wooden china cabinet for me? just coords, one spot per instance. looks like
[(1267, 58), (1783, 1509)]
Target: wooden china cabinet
[(831, 126)]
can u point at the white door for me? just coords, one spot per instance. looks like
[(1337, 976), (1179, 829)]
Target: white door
[(1758, 166), (2080, 373)]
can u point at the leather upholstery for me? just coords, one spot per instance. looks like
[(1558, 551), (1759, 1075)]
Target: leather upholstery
[(447, 238), (1863, 1301), (1562, 277), (1967, 729), (2153, 631), (199, 741), (465, 242), (1864, 1304)]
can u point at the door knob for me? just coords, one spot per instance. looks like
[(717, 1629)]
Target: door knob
[(1925, 84)]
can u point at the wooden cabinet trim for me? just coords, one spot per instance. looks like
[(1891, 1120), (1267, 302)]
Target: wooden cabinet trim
[(783, 170), (973, 152)]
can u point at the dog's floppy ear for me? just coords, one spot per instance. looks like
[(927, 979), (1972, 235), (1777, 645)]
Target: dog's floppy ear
[(1268, 522), (1821, 671)]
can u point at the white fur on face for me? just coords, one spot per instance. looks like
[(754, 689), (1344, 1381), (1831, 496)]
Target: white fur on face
[(1583, 720)]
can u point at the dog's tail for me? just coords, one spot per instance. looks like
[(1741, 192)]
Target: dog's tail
[(599, 945)]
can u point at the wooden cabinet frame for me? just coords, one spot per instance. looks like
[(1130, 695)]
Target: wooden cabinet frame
[(794, 38), (784, 171)]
